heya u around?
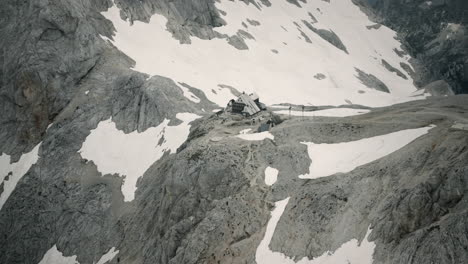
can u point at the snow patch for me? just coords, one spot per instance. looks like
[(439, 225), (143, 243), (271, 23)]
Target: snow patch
[(11, 173), (328, 159), (105, 38), (189, 95), (245, 131), (54, 256), (108, 256), (334, 112), (271, 175), (256, 136), (279, 106), (130, 155), (351, 252)]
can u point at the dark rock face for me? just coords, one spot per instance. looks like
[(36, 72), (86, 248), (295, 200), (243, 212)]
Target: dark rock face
[(185, 17), (439, 88), (328, 36), (320, 76), (393, 69), (371, 81), (48, 54), (45, 56), (436, 34)]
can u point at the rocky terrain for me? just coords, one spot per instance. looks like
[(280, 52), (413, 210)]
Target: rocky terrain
[(209, 202), (208, 197), (434, 32)]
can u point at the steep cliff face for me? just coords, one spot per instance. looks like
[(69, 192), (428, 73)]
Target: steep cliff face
[(48, 48), (435, 32)]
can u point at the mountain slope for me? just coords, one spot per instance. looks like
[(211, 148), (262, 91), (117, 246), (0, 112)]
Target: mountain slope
[(278, 50), (435, 32), (209, 202), (111, 154)]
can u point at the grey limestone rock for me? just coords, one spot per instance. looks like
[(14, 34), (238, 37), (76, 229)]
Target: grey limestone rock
[(371, 81), (253, 22), (439, 88), (320, 76), (393, 69), (434, 33), (327, 35)]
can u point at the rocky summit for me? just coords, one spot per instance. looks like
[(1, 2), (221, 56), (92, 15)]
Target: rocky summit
[(247, 131)]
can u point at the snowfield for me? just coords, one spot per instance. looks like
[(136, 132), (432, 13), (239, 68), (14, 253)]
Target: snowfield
[(328, 159), (11, 173), (130, 155), (351, 252), (334, 112), (286, 75)]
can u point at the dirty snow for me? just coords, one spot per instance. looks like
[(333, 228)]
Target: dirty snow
[(328, 159), (17, 169), (130, 155), (54, 256), (334, 112), (351, 252), (256, 136), (271, 175), (283, 77)]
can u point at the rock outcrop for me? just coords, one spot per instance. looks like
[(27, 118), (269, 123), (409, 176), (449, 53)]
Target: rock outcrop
[(439, 88), (434, 32)]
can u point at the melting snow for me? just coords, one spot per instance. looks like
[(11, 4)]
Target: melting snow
[(256, 136), (54, 256), (130, 155), (271, 174), (328, 159), (15, 171), (334, 112), (283, 77), (351, 252)]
